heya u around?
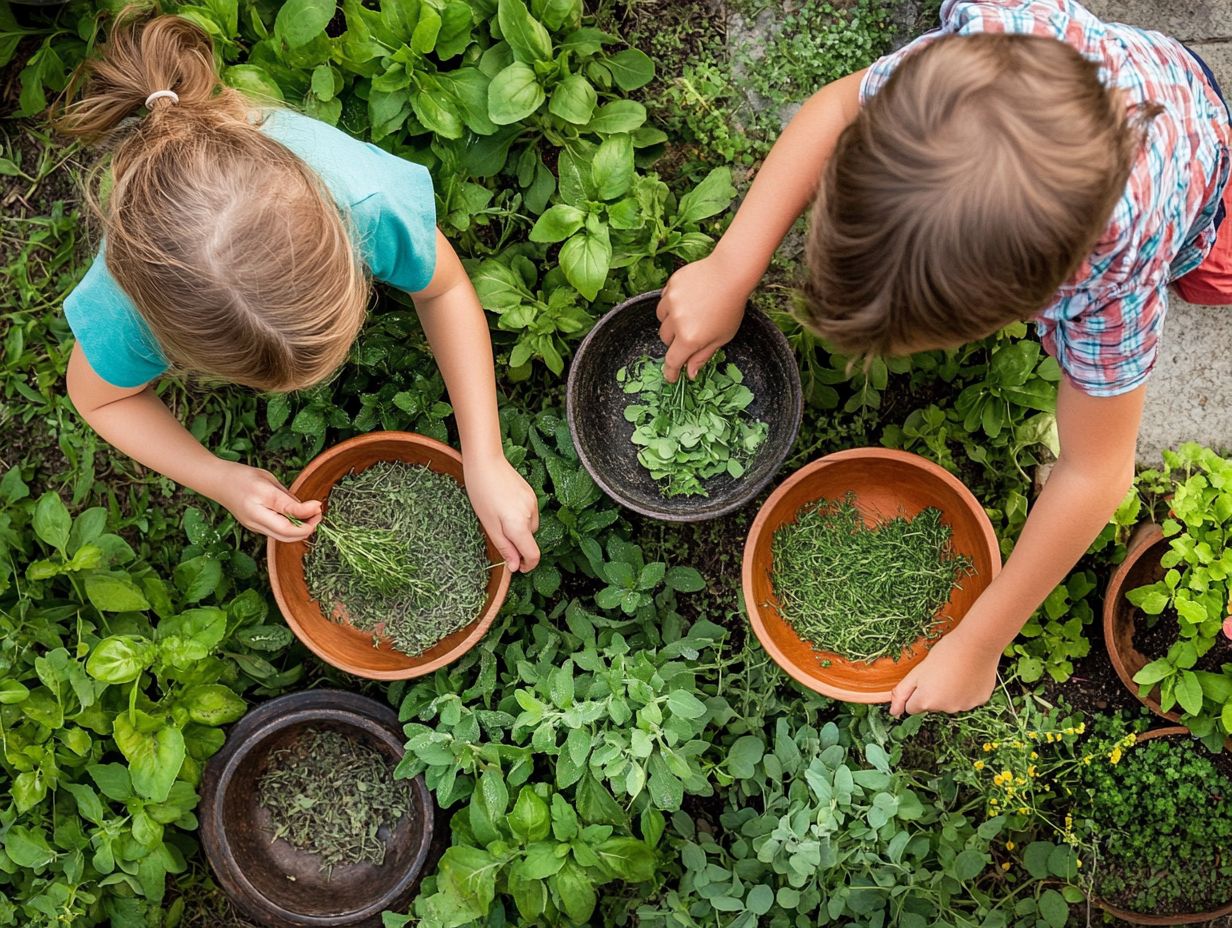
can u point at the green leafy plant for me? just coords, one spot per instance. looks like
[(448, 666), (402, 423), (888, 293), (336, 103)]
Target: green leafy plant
[(692, 430), (1193, 592)]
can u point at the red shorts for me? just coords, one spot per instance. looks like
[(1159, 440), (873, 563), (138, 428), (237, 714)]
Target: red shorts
[(1210, 283)]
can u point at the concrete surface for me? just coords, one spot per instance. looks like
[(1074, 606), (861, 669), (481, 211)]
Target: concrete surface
[(1189, 397)]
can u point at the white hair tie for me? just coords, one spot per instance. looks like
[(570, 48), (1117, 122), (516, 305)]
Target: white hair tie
[(161, 94)]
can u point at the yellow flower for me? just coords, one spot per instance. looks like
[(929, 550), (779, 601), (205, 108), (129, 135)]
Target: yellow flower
[(1080, 728), (1033, 735), (987, 747), (1078, 864), (1023, 810), (993, 801), (1021, 781), (1009, 845), (1006, 865), (1019, 744), (1069, 822), (1034, 755), (979, 765), (1032, 772), (1115, 756)]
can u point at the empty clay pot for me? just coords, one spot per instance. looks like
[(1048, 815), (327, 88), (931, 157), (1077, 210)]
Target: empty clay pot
[(886, 483), (1140, 567), (341, 645), (271, 881), (596, 405), (1138, 918)]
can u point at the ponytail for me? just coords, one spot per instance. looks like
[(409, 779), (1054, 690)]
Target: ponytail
[(142, 56)]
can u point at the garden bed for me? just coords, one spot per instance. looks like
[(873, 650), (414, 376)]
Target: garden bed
[(618, 708)]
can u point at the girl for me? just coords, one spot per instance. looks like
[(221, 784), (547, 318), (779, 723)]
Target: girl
[(238, 244), (1025, 161)]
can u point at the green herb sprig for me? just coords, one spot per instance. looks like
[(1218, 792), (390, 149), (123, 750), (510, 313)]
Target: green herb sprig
[(860, 592), (691, 430), (400, 552), (328, 794)]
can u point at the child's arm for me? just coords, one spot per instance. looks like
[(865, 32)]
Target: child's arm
[(703, 302), (1095, 470), (137, 422), (457, 330)]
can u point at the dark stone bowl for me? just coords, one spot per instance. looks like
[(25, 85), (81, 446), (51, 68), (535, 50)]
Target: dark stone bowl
[(272, 882), (596, 410)]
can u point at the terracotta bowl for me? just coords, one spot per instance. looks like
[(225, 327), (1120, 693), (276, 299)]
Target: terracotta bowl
[(595, 408), (271, 881), (886, 483), (1138, 918), (339, 644), (1140, 567)]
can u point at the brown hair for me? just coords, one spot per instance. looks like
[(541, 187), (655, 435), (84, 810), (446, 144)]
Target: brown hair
[(968, 189), (230, 246)]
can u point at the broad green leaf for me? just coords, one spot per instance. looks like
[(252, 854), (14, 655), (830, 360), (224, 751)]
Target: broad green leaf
[(120, 658), (254, 81), (1188, 692), (198, 577), (530, 820), (627, 859), (618, 116), (514, 94), (27, 847), (573, 100), (527, 37), (1053, 908), (115, 593), (631, 69), (52, 522), (709, 198), (576, 892), (212, 704), (586, 259), (300, 21), (557, 224), (612, 168), (155, 752)]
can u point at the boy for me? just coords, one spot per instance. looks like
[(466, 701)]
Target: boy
[(1024, 161)]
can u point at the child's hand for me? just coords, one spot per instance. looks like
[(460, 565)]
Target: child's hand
[(700, 310), (507, 508), (261, 504), (958, 674)]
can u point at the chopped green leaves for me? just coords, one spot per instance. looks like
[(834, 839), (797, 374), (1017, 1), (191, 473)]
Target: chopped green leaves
[(693, 430)]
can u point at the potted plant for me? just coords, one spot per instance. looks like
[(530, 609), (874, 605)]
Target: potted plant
[(1155, 807), (1165, 612)]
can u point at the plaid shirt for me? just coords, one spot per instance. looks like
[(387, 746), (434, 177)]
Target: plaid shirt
[(1105, 324)]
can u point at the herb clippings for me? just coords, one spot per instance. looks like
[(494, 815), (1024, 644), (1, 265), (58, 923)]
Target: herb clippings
[(863, 593), (401, 553), (691, 430), (329, 794)]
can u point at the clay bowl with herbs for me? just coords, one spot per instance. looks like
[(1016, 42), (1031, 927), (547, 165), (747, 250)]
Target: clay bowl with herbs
[(1146, 883), (687, 452), (302, 819), (371, 469), (876, 551)]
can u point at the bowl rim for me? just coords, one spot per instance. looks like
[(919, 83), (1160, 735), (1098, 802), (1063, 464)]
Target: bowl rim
[(320, 705), (758, 528), (479, 627), (750, 490)]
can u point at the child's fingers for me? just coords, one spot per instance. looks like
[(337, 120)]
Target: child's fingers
[(276, 526), (508, 551), (663, 310), (519, 535), (305, 510), (898, 698), (699, 359), (667, 332), (677, 356)]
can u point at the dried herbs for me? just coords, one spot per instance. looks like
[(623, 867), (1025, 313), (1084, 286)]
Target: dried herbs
[(329, 794), (400, 552), (862, 592), (691, 430)]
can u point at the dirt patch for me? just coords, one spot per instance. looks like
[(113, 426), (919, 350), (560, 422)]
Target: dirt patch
[(1154, 640)]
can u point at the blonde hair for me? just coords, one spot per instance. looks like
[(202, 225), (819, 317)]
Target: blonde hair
[(968, 189), (230, 246)]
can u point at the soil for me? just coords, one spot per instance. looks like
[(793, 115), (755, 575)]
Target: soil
[(1154, 640)]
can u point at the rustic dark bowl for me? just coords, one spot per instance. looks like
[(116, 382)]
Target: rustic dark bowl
[(886, 483), (596, 410), (340, 643), (271, 881)]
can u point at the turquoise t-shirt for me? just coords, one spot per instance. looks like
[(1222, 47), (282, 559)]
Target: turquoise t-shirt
[(388, 201)]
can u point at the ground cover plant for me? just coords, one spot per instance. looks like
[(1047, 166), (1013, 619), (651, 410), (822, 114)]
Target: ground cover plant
[(402, 556), (864, 591), (1153, 855), (580, 153), (329, 794), (692, 430)]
